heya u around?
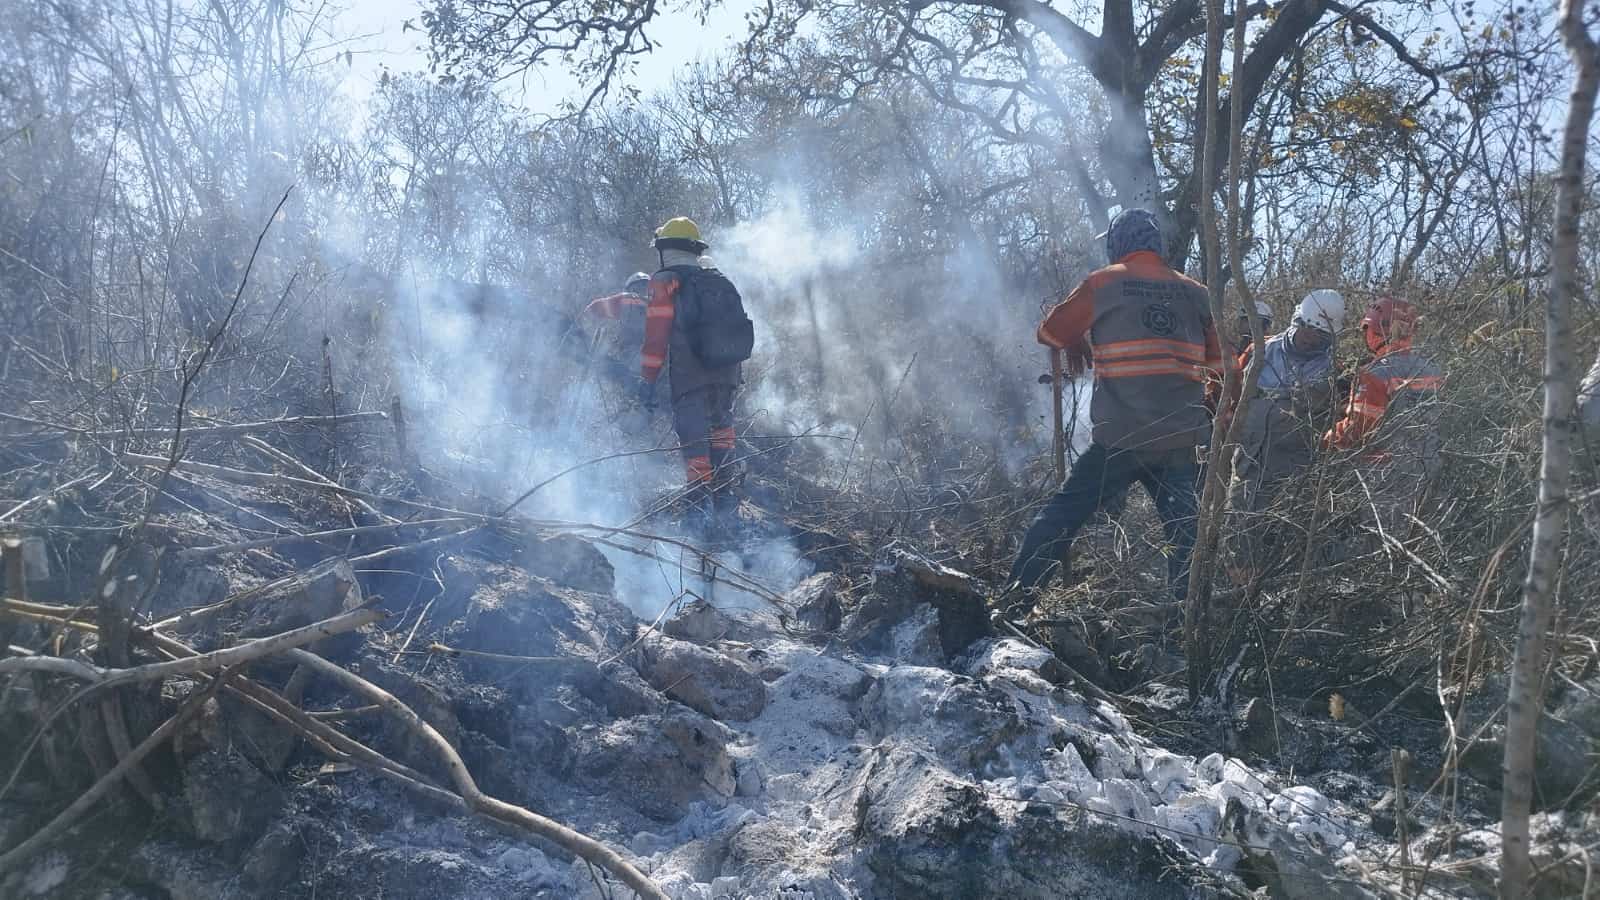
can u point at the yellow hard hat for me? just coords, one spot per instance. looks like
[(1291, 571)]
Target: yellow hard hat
[(680, 228)]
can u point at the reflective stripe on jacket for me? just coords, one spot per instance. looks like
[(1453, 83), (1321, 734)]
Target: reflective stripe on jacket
[(1393, 409), (1146, 330), (665, 339), (612, 307)]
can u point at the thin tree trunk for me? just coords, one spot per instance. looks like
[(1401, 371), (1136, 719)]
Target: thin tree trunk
[(1525, 702), (1197, 645)]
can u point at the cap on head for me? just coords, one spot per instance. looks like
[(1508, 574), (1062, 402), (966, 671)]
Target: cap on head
[(680, 233), (1131, 231), (1322, 309)]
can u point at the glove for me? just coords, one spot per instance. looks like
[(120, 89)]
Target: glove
[(646, 392)]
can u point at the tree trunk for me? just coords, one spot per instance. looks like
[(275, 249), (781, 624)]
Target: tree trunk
[(1525, 702), (1196, 641)]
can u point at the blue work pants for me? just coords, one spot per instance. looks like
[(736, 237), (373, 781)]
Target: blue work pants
[(1098, 476)]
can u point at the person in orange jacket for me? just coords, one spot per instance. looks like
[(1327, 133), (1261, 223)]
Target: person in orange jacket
[(627, 308), (697, 335), (632, 296), (1391, 419), (1147, 332)]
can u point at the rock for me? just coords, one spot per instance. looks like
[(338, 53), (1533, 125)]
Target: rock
[(662, 764), (1148, 662), (1290, 869), (178, 873), (427, 701), (263, 740), (702, 679), (944, 714), (701, 623), (1075, 652), (749, 780), (1262, 729), (958, 597), (325, 590), (1308, 815), (192, 584), (510, 612), (1168, 774), (1562, 766), (925, 833), (902, 584), (424, 870), (915, 640), (43, 876), (816, 602), (1125, 803), (617, 690), (225, 798), (1581, 707), (570, 562), (273, 860), (1384, 820)]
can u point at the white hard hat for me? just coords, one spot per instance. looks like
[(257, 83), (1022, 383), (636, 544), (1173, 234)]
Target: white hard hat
[(1322, 309), (1262, 310)]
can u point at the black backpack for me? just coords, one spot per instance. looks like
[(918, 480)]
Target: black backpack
[(711, 314)]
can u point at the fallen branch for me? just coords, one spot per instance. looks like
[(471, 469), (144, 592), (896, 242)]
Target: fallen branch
[(102, 679), (201, 430), (418, 545), (287, 460), (297, 579), (66, 817), (573, 661), (327, 740), (238, 654), (312, 536), (271, 479), (46, 495), (579, 844), (117, 734)]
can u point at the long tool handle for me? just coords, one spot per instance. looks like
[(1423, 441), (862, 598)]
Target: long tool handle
[(1059, 444)]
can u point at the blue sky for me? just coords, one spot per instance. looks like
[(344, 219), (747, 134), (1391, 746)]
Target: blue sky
[(380, 41)]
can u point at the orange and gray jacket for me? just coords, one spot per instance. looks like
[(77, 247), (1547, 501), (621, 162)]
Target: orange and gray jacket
[(1146, 330), (666, 344), (1393, 409)]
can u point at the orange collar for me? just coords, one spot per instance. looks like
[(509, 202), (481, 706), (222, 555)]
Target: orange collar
[(1392, 347)]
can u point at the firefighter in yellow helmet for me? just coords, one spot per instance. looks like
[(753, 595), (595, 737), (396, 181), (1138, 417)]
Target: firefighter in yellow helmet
[(697, 331)]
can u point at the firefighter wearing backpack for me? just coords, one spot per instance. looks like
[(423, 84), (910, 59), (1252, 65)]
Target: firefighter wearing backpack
[(1392, 415), (697, 332)]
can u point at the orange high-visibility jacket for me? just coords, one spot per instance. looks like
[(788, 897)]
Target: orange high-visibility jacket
[(664, 340), (1391, 409), (611, 307), (1147, 332)]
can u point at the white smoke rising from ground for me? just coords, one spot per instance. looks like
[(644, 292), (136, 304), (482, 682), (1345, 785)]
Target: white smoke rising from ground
[(506, 402), (837, 349)]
